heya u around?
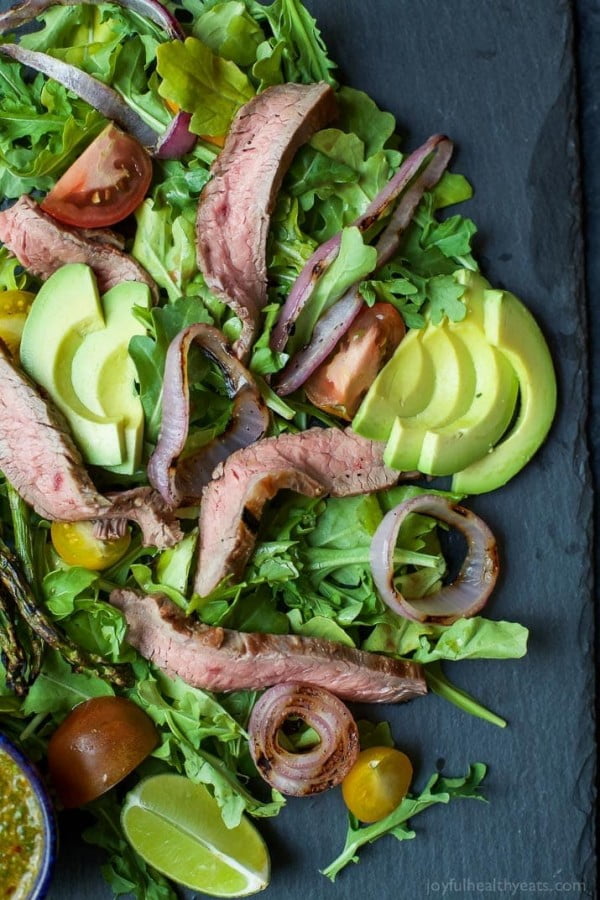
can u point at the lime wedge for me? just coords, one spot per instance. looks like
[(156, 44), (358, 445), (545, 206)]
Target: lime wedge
[(177, 827)]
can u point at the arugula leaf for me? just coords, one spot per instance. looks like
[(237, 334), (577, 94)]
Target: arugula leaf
[(230, 32), (439, 789), (354, 260), (42, 130), (305, 57), (211, 88), (149, 353), (125, 871), (444, 295), (440, 685), (475, 638), (201, 738), (57, 689)]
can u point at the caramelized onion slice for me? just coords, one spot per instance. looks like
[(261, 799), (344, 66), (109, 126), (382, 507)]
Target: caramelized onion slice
[(428, 162), (468, 593), (302, 774), (182, 480)]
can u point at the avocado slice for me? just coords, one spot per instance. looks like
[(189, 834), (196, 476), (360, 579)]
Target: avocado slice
[(453, 393), (104, 374), (402, 388), (511, 328), (450, 448), (67, 309)]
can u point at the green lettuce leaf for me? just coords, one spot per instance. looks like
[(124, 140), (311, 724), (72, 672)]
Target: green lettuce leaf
[(230, 32), (305, 57), (57, 689), (209, 87)]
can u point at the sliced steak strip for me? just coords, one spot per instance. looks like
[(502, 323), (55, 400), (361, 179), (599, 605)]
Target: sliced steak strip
[(315, 462), (144, 506), (216, 659), (38, 455), (42, 245), (235, 206)]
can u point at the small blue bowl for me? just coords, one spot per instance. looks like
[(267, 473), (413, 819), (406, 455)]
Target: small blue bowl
[(43, 876)]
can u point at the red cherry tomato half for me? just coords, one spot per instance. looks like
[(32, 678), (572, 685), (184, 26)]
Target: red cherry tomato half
[(377, 782), (99, 743), (340, 383), (108, 181)]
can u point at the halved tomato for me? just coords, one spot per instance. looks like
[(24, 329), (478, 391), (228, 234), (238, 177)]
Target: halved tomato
[(108, 181)]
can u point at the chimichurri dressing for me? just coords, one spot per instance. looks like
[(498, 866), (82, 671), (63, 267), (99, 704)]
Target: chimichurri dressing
[(21, 832)]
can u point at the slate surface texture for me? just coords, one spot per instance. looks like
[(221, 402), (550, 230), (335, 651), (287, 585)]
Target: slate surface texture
[(498, 76)]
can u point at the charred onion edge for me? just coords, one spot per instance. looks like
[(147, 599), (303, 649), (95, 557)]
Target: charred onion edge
[(325, 254), (178, 480), (327, 764), (468, 593)]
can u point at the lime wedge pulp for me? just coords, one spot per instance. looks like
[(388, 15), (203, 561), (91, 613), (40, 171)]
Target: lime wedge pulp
[(177, 827)]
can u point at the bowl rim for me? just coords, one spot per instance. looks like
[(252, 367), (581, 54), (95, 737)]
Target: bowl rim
[(29, 770)]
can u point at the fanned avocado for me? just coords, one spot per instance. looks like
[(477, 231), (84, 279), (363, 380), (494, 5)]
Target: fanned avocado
[(403, 387), (104, 374), (75, 346), (511, 328), (66, 309), (453, 392)]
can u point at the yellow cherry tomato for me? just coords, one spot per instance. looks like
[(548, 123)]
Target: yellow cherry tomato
[(76, 545), (14, 308), (377, 782)]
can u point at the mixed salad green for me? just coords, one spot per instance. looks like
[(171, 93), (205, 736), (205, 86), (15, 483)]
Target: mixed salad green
[(310, 573)]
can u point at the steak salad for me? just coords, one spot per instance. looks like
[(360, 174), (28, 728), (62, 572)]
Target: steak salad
[(240, 335)]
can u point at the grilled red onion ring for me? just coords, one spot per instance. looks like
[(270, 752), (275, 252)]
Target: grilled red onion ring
[(182, 480), (302, 774), (377, 209), (468, 593)]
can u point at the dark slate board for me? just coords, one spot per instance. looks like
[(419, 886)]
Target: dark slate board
[(498, 76)]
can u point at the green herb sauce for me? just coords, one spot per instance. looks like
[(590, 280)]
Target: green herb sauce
[(21, 832)]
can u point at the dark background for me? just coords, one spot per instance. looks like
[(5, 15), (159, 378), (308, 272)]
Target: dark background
[(499, 77)]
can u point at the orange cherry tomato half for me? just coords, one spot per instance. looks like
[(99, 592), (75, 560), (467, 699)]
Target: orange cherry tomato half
[(76, 545), (99, 743), (340, 383), (377, 782), (104, 185)]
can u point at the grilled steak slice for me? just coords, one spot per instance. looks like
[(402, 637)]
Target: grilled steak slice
[(234, 209), (38, 455), (144, 506), (315, 462), (42, 245), (217, 659)]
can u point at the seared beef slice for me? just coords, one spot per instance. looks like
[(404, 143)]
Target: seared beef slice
[(235, 206), (217, 659)]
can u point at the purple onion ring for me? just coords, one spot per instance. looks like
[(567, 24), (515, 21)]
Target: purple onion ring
[(182, 480), (468, 593), (303, 774)]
